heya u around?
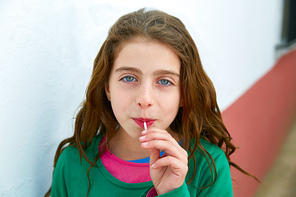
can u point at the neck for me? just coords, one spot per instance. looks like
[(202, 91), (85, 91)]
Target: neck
[(127, 148)]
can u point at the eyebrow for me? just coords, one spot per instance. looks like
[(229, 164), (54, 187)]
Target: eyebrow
[(157, 72), (165, 72), (126, 68)]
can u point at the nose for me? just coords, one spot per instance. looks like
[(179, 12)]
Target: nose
[(145, 98)]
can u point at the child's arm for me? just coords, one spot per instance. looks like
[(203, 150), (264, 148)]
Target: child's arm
[(168, 172), (223, 184), (161, 140), (58, 187)]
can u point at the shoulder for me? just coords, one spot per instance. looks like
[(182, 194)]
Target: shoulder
[(205, 161), (71, 165), (71, 154), (70, 170), (211, 166), (212, 149), (211, 153)]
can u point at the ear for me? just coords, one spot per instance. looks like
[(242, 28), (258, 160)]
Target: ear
[(107, 91), (181, 102)]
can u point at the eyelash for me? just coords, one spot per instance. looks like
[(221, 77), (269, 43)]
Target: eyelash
[(130, 79), (125, 79), (168, 83)]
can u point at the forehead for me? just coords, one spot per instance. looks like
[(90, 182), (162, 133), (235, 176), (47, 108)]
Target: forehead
[(145, 53)]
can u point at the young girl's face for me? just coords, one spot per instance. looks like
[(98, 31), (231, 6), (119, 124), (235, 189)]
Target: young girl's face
[(144, 86)]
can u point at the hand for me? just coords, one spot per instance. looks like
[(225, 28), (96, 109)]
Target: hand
[(169, 171)]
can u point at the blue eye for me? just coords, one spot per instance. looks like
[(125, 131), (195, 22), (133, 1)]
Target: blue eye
[(129, 79), (164, 82)]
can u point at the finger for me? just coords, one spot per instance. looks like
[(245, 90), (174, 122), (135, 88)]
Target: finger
[(170, 149), (176, 165), (157, 134), (150, 135), (152, 129)]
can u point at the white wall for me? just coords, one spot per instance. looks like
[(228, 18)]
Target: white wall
[(46, 53)]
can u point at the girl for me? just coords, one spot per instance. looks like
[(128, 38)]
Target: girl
[(150, 124)]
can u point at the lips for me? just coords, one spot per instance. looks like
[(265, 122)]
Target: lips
[(140, 121)]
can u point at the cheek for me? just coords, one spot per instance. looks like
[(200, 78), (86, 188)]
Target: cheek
[(117, 110), (120, 102), (171, 106), (173, 111)]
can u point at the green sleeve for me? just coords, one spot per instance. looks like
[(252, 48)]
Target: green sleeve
[(222, 187), (181, 191), (58, 188), (223, 184)]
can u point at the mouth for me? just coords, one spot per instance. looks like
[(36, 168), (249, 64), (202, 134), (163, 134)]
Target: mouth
[(140, 121)]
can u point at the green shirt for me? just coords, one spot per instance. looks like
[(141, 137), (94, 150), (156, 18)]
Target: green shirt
[(70, 176)]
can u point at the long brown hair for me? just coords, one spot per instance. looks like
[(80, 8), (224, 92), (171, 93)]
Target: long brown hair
[(199, 116)]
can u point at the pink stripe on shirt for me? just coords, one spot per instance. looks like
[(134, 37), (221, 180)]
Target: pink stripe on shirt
[(126, 171)]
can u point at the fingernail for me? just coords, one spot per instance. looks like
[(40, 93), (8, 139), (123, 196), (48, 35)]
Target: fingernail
[(142, 137), (144, 132)]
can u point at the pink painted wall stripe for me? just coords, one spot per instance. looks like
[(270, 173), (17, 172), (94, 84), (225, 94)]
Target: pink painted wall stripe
[(259, 121)]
